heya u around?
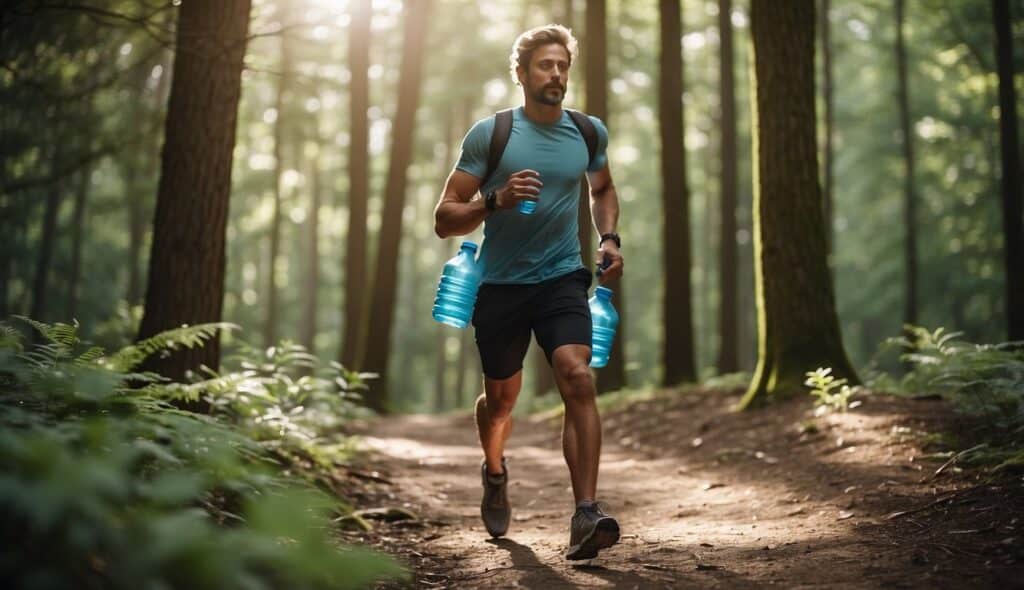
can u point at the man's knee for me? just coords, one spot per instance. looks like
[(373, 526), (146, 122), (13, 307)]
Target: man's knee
[(579, 382), (499, 401)]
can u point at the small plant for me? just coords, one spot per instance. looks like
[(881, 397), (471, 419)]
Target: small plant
[(106, 484), (829, 393)]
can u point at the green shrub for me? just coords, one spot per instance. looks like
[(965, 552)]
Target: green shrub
[(108, 486)]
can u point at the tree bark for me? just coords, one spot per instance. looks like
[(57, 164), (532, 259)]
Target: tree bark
[(728, 258), (186, 265), (378, 348), (677, 354), (613, 376), (77, 229), (909, 197), (798, 328), (1011, 189), (359, 188), (281, 104), (47, 237), (311, 286), (824, 29)]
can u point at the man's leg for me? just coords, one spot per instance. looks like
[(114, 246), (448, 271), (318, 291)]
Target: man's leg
[(581, 426), (494, 417)]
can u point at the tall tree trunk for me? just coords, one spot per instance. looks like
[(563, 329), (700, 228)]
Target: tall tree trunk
[(281, 104), (378, 346), (440, 368), (466, 351), (311, 286), (677, 353), (824, 28), (77, 228), (613, 376), (909, 198), (47, 237), (728, 258), (1013, 243), (358, 182), (186, 264), (798, 328)]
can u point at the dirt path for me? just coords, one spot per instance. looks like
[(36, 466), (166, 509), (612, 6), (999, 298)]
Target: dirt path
[(706, 499)]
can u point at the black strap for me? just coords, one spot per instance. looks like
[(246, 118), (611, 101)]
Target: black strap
[(499, 139), (588, 131), (503, 130)]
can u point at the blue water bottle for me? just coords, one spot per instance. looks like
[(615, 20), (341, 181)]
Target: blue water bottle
[(605, 319), (527, 207), (456, 291)]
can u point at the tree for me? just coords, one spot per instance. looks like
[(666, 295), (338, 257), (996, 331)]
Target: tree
[(185, 282), (311, 283), (77, 229), (798, 328), (728, 257), (909, 196), (613, 376), (280, 106), (358, 184), (824, 29), (678, 346), (48, 236), (382, 308), (1011, 178)]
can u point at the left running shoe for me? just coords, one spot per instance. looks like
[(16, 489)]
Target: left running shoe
[(494, 508)]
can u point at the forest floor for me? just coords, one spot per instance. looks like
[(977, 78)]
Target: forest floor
[(706, 498)]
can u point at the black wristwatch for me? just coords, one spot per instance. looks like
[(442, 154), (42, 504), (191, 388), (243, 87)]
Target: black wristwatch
[(491, 200), (613, 237)]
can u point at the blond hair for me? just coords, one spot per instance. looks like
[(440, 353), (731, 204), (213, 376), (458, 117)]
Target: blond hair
[(529, 41)]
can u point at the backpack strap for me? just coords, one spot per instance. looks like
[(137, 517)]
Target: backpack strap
[(499, 139), (503, 130), (587, 130)]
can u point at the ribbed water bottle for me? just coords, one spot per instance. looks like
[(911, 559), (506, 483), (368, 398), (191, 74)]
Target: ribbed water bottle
[(456, 291), (527, 207), (605, 319)]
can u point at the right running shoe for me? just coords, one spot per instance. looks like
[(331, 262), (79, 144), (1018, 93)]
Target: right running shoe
[(591, 530), (494, 508)]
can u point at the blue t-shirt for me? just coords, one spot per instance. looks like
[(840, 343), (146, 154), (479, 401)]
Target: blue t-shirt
[(523, 249)]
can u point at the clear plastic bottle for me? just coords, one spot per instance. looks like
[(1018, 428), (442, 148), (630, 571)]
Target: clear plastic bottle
[(457, 289), (605, 320)]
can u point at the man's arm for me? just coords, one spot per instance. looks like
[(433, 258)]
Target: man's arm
[(458, 214), (604, 208)]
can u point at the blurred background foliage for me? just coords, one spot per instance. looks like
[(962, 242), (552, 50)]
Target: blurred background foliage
[(84, 94)]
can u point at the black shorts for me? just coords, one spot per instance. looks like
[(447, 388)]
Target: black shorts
[(556, 310)]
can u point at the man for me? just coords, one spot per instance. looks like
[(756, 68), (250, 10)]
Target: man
[(534, 279)]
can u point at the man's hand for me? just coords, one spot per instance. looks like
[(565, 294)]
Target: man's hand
[(524, 185), (610, 258)]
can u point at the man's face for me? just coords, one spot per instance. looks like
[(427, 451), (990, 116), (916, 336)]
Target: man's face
[(547, 77)]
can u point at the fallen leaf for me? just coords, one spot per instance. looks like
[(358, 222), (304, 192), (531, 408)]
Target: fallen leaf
[(843, 515), (711, 486)]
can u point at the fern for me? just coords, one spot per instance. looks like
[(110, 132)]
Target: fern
[(131, 356)]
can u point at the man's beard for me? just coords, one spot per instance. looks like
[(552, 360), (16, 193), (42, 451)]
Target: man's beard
[(543, 97)]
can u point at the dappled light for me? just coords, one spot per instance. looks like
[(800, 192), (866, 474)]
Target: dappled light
[(319, 294)]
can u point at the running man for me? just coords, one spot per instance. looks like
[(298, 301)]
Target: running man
[(534, 279)]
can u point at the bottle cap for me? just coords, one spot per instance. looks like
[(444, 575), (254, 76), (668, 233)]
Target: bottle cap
[(603, 292), (469, 245)]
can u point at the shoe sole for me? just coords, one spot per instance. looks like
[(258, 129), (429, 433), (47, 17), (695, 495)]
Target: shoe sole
[(604, 535)]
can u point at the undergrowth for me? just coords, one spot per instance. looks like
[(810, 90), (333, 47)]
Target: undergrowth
[(984, 382), (105, 483)]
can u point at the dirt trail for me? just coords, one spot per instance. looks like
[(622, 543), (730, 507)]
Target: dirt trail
[(706, 498)]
